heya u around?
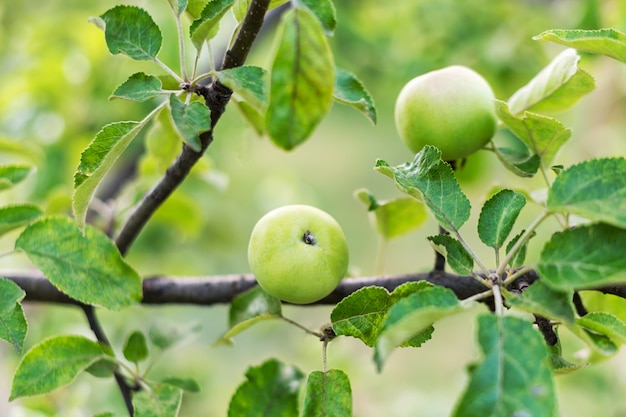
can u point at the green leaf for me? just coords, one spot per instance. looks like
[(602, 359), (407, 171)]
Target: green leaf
[(164, 336), (609, 303), (364, 196), (362, 313), (186, 384), (87, 267), (136, 347), (105, 414), (498, 216), (138, 87), (178, 6), (24, 149), (249, 308), (459, 259), (13, 174), (13, 326), (543, 135), (520, 256), (97, 159), (584, 257), (609, 42), (606, 324), (328, 394), (399, 216), (10, 295), (514, 377), (557, 87), (252, 303), (249, 82), (251, 115), (103, 368), (431, 180), (206, 26), (395, 217), (18, 215), (545, 301), (413, 316), (162, 400), (240, 8), (515, 155), (168, 82), (181, 211), (271, 390), (324, 10), (53, 363), (594, 189), (161, 143), (276, 3), (302, 79), (190, 120), (130, 30), (601, 346), (194, 8), (349, 90), (559, 364)]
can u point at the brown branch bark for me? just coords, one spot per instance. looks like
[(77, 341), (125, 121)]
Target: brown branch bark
[(221, 289)]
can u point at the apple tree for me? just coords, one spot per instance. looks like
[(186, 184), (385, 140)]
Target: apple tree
[(526, 265)]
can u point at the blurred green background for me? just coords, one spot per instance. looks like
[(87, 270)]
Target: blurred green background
[(55, 78)]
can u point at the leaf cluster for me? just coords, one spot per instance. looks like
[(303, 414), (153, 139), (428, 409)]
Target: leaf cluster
[(287, 101)]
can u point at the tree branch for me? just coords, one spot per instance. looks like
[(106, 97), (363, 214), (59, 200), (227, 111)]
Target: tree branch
[(221, 289), (217, 97)]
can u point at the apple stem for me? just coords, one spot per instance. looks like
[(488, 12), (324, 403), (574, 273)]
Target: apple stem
[(325, 355)]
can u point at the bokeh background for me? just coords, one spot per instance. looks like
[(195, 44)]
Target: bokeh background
[(55, 78)]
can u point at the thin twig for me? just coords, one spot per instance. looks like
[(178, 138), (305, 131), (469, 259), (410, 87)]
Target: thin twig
[(478, 297), (181, 47), (497, 298), (516, 274), (301, 327), (521, 242), (101, 336), (167, 69)]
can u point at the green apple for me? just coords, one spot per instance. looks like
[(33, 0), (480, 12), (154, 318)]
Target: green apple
[(451, 108), (298, 253)]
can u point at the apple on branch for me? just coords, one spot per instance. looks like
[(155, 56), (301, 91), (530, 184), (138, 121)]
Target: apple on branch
[(451, 108), (298, 253)]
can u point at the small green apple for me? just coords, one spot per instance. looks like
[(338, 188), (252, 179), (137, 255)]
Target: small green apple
[(298, 253), (451, 108)]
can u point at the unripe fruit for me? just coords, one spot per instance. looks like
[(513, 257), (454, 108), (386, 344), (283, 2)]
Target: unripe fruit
[(451, 108), (298, 253)]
